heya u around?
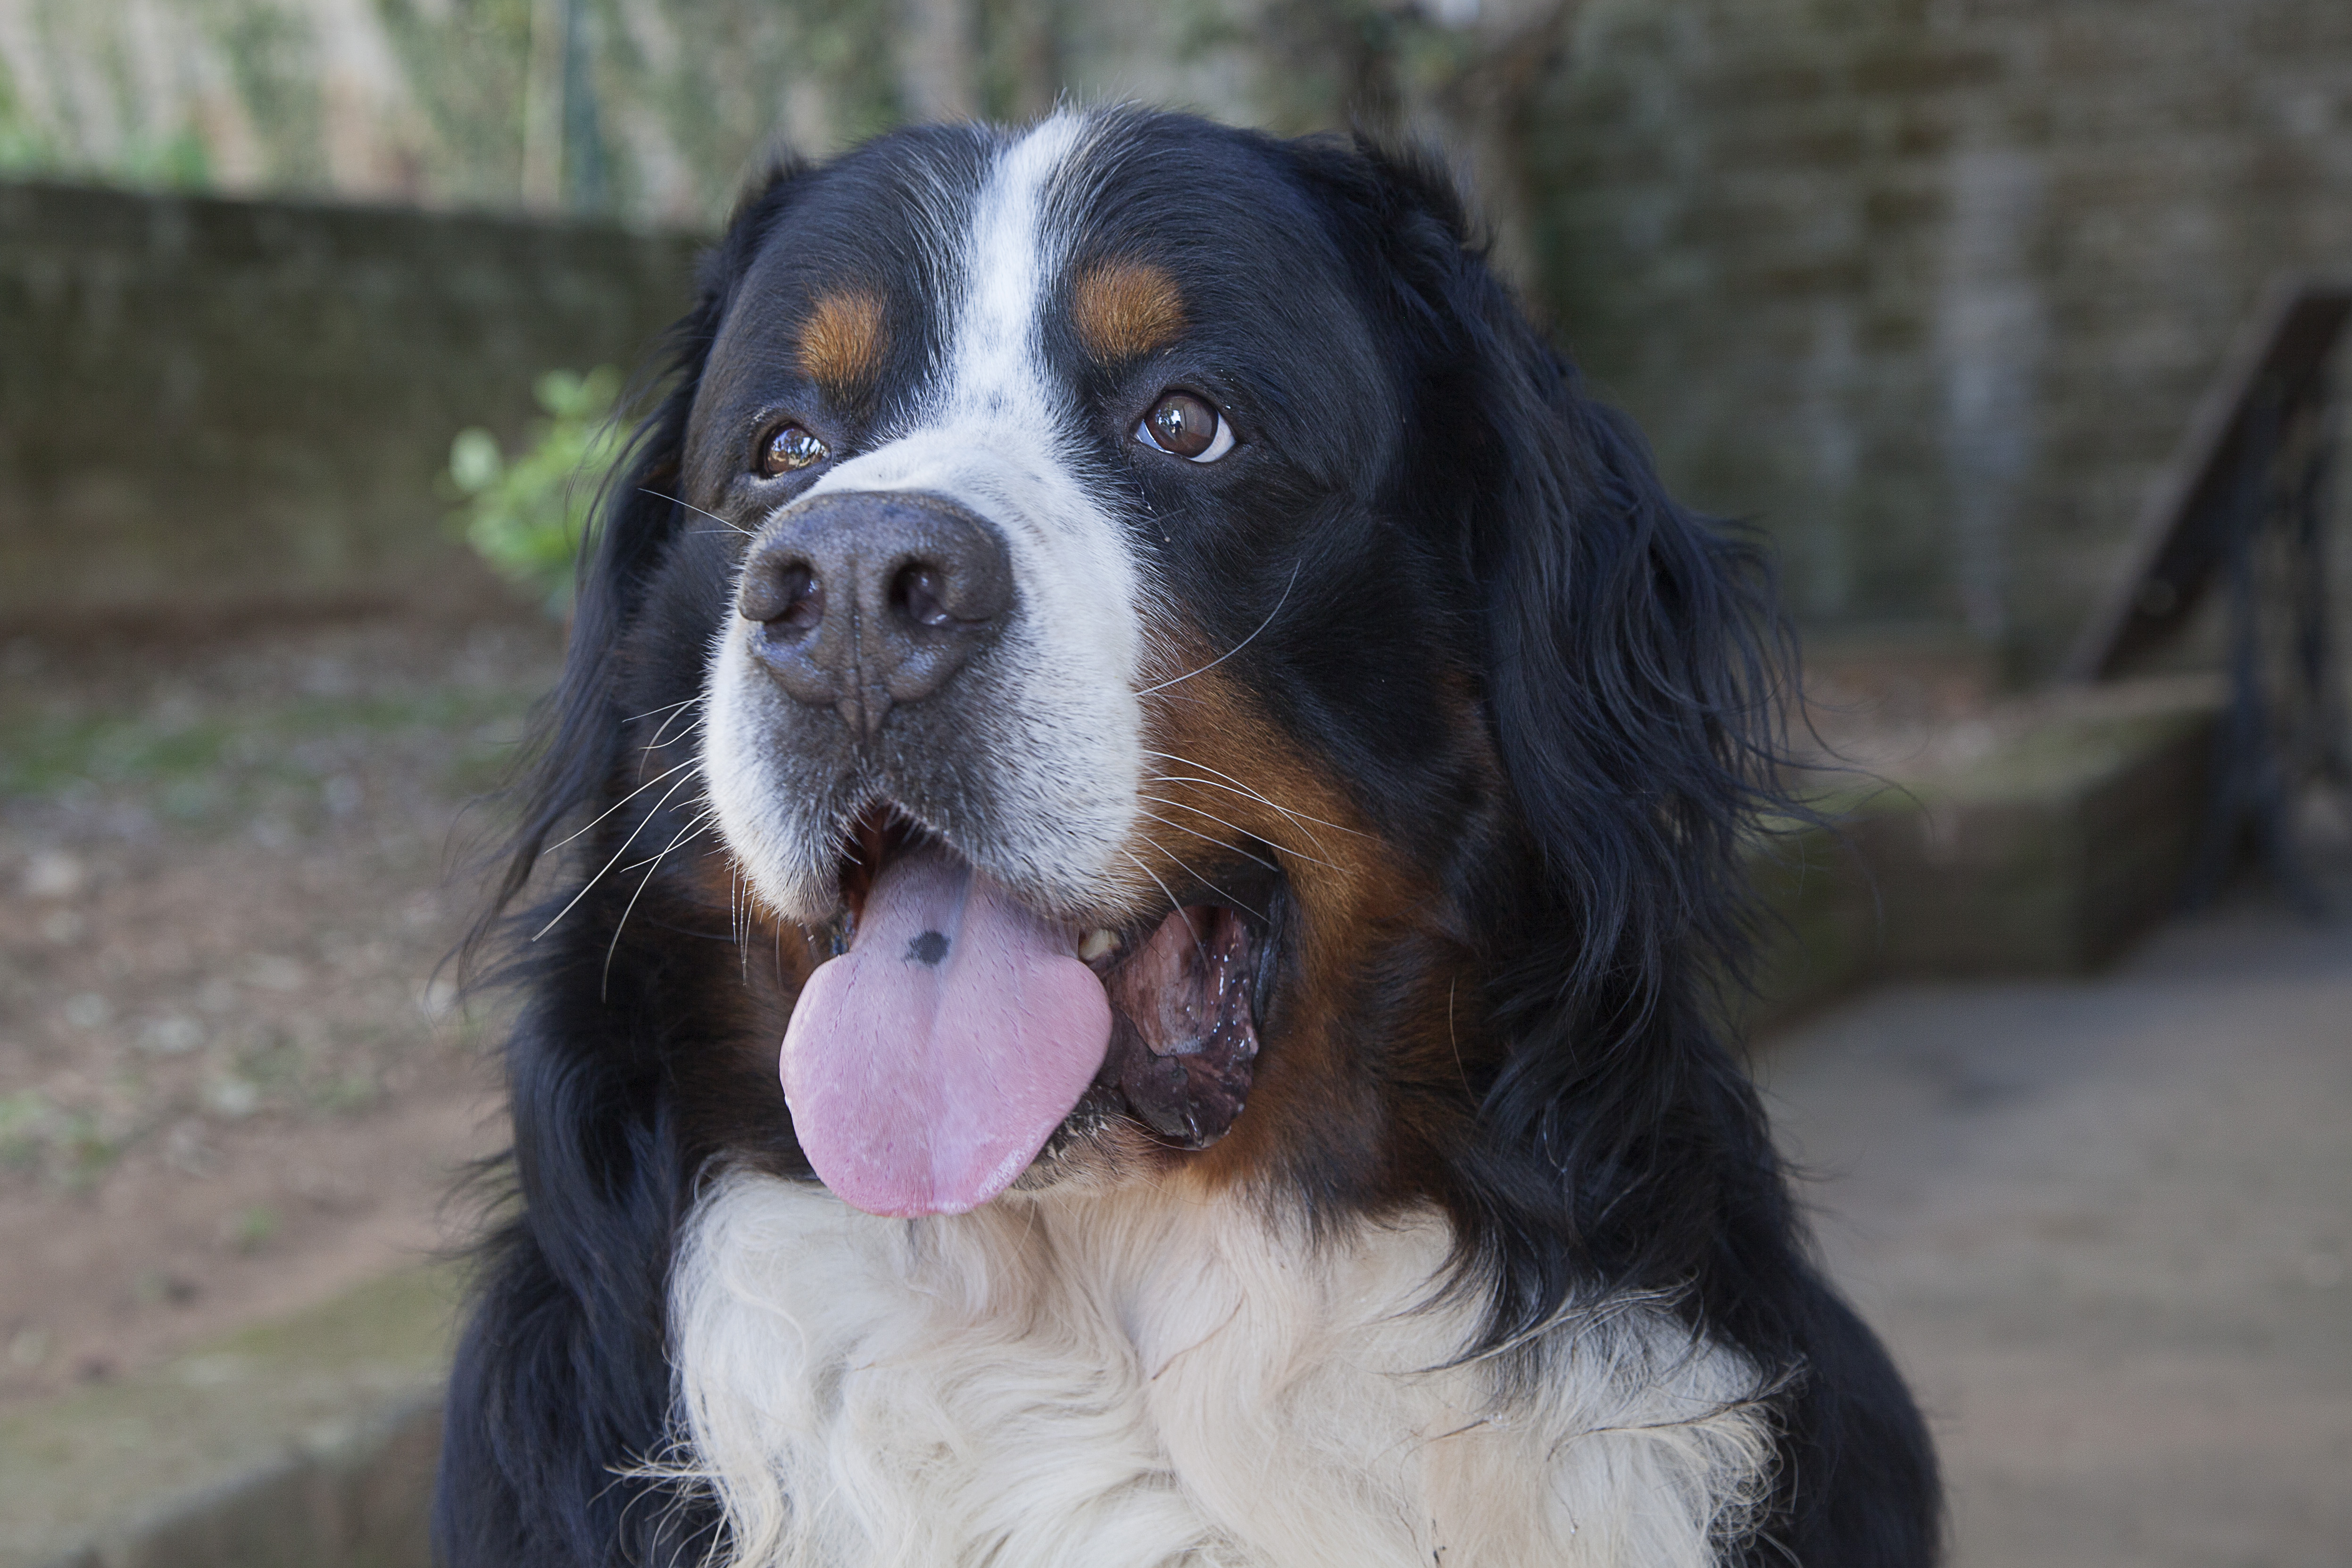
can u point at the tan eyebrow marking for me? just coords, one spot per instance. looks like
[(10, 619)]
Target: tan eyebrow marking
[(842, 341), (1126, 308)]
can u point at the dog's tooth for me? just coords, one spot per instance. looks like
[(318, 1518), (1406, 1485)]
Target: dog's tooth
[(1097, 944)]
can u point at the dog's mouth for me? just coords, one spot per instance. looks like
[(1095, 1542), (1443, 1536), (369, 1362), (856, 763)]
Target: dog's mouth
[(959, 1031)]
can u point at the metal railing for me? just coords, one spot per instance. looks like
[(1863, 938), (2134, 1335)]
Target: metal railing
[(2245, 507)]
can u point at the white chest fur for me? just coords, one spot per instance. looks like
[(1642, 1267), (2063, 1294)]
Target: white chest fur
[(1075, 1380)]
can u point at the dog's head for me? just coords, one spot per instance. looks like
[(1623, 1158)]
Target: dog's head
[(1130, 618)]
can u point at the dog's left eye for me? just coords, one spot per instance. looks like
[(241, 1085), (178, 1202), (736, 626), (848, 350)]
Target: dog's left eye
[(788, 448), (1186, 426)]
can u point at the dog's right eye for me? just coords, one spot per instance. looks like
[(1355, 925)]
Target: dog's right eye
[(788, 449), (1186, 426)]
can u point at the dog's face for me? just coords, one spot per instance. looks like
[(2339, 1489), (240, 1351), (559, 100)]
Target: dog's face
[(1130, 617), (1080, 678), (1017, 446)]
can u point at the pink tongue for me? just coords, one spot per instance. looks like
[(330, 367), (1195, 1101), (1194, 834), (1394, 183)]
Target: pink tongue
[(927, 1065)]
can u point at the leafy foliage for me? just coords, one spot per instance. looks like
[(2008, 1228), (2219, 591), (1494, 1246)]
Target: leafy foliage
[(527, 515)]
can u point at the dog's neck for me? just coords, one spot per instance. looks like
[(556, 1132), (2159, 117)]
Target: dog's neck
[(1158, 1377)]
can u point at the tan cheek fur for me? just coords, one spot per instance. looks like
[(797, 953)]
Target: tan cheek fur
[(731, 1087), (1222, 771)]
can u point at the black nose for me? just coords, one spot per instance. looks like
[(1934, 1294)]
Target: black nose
[(869, 599)]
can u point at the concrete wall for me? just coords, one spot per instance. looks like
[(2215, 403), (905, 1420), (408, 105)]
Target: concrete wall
[(209, 403), (1931, 286)]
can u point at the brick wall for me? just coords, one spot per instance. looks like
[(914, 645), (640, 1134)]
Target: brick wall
[(209, 403), (1929, 286)]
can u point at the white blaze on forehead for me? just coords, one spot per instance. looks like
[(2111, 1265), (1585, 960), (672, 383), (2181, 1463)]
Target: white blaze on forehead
[(996, 435), (995, 425), (1014, 252), (997, 431)]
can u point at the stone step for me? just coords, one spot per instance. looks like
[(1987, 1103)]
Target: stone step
[(2061, 833)]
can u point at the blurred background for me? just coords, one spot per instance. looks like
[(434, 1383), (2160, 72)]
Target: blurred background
[(2012, 325)]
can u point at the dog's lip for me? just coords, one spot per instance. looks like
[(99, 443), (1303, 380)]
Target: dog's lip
[(1182, 1057), (885, 830), (1198, 1094), (1128, 936)]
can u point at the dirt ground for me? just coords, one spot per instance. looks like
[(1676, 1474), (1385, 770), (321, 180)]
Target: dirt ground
[(233, 1077), (2106, 1224)]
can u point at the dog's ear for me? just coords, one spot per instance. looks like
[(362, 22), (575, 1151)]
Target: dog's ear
[(636, 515), (1629, 659), (1633, 659), (1633, 651)]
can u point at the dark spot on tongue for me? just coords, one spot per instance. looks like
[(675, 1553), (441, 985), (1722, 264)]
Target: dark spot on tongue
[(929, 1087)]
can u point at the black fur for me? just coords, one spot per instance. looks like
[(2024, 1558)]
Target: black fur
[(1624, 653)]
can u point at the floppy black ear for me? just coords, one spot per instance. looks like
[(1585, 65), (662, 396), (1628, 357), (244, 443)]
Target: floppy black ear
[(1633, 654), (1634, 670), (1630, 663), (560, 1381), (636, 517), (1634, 667)]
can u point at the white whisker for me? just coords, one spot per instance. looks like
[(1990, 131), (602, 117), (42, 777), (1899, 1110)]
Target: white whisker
[(702, 819), (1174, 903), (1238, 646), (1203, 881), (632, 839), (663, 730), (730, 528), (619, 804), (1207, 838), (673, 708), (736, 927), (1261, 838), (1239, 787), (1292, 818)]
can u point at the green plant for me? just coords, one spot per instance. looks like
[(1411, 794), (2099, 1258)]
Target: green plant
[(528, 516), (66, 1145)]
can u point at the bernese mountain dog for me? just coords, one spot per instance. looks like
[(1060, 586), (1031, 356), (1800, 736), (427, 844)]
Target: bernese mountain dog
[(1135, 885)]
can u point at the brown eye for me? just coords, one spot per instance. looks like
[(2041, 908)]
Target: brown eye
[(1186, 426), (789, 450)]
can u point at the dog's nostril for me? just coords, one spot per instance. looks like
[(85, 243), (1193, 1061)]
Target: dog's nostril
[(803, 601), (790, 599), (920, 594)]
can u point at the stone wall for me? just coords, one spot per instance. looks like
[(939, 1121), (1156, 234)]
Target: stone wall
[(209, 403), (1930, 287)]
